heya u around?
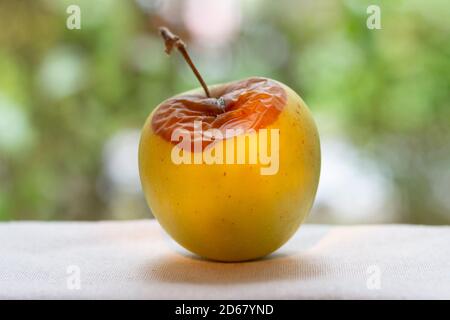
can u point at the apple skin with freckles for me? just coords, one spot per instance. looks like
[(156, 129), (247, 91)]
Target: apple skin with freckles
[(231, 212)]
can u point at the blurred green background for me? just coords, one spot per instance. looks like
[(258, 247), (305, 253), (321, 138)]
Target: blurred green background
[(72, 102)]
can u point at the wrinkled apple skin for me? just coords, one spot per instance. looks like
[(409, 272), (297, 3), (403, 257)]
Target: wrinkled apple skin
[(232, 212)]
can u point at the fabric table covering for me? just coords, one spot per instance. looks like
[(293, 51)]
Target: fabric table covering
[(137, 260)]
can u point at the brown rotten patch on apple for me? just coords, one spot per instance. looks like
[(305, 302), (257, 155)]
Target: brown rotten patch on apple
[(246, 105), (253, 103)]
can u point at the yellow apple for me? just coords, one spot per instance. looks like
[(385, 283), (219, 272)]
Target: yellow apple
[(231, 211)]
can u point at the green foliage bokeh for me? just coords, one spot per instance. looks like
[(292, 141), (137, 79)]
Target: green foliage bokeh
[(68, 91)]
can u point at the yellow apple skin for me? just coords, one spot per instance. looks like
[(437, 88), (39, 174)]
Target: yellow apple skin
[(231, 212)]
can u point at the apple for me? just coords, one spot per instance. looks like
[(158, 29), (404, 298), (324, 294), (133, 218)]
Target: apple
[(229, 203)]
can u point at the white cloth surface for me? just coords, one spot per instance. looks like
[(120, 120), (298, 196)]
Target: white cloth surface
[(137, 260)]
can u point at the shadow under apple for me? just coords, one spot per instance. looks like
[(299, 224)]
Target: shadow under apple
[(282, 265)]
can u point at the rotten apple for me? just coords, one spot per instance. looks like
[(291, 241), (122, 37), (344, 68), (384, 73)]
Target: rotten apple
[(230, 173)]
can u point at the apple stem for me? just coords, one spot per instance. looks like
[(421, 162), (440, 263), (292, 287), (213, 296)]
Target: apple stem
[(171, 40)]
